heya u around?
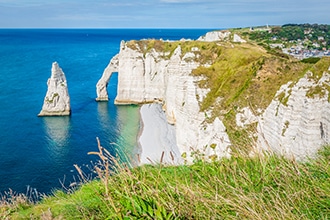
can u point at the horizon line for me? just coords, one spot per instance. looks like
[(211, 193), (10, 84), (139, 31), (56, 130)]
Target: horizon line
[(112, 28)]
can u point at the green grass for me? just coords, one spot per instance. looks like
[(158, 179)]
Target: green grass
[(321, 66), (311, 60), (207, 51), (260, 187)]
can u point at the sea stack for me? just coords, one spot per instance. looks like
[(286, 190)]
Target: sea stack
[(57, 99)]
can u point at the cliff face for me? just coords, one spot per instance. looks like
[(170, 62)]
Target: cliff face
[(215, 36), (299, 125), (57, 99), (237, 86), (149, 77)]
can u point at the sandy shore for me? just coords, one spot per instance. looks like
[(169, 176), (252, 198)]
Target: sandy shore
[(156, 137)]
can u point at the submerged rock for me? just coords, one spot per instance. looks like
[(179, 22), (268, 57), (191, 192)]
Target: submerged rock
[(57, 99)]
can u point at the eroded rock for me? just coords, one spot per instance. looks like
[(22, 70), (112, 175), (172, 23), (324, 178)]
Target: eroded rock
[(57, 99)]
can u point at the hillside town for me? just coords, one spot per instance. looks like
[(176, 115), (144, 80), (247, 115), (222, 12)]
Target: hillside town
[(301, 41), (300, 51)]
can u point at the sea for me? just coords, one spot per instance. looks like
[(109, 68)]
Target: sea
[(39, 153)]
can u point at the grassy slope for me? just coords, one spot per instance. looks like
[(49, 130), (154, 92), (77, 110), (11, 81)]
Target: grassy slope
[(262, 187), (246, 75)]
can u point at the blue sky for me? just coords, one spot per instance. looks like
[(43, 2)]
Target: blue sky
[(160, 13)]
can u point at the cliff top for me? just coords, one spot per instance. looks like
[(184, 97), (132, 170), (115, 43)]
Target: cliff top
[(237, 71), (238, 75)]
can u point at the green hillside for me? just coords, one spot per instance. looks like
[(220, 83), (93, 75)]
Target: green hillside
[(262, 187)]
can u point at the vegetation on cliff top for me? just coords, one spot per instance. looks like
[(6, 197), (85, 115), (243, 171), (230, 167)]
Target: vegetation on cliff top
[(246, 75), (314, 36), (259, 187), (239, 75), (206, 53)]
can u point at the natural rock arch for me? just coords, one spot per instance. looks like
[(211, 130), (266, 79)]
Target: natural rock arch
[(101, 86)]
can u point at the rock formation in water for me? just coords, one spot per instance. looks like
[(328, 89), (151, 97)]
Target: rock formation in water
[(57, 100), (297, 126), (102, 94)]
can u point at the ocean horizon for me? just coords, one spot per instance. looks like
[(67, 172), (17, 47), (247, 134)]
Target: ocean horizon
[(39, 152)]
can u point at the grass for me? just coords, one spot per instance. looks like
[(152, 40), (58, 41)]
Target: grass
[(247, 75), (259, 187), (207, 51)]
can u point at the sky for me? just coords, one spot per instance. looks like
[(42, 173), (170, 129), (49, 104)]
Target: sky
[(160, 13)]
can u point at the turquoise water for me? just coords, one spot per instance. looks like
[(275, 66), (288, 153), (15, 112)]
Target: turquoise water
[(39, 152)]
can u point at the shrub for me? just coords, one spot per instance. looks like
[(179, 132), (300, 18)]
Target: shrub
[(311, 60)]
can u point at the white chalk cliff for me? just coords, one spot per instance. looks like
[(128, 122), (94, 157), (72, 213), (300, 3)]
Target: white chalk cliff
[(147, 78), (57, 99), (299, 127), (102, 94), (296, 128), (215, 36)]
